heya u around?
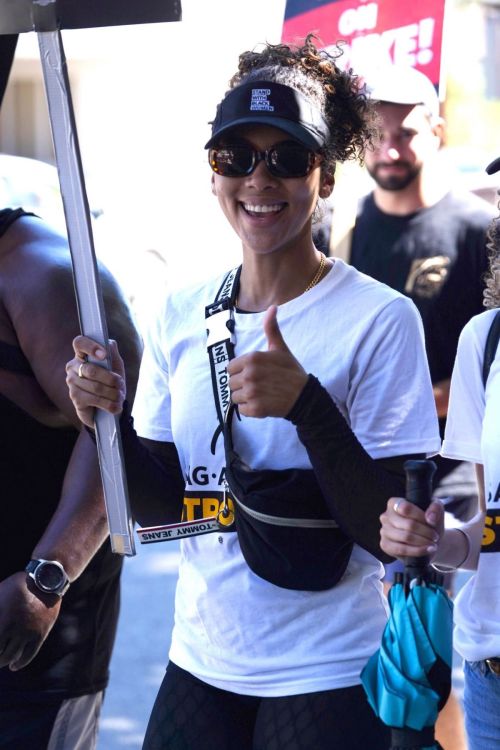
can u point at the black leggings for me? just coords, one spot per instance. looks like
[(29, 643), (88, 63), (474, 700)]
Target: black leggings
[(188, 714)]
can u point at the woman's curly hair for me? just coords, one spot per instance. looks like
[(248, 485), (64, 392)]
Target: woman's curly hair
[(338, 94), (492, 289)]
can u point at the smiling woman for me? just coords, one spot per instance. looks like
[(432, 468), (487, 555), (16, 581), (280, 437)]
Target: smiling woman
[(282, 112), (270, 206), (276, 611)]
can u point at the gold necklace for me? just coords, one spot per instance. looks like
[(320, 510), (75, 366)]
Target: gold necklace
[(317, 276)]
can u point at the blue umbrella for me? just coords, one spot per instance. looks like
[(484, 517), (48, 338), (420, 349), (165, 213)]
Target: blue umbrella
[(408, 680)]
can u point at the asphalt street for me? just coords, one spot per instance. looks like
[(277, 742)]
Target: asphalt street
[(141, 649)]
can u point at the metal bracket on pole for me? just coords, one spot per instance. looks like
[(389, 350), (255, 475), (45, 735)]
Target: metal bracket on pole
[(47, 17)]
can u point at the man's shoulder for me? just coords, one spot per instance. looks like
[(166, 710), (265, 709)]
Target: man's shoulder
[(34, 261), (10, 215), (467, 208), (366, 205), (24, 235), (458, 203)]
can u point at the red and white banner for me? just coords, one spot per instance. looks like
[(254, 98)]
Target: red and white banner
[(375, 33)]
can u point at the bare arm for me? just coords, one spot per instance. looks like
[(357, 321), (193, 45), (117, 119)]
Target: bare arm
[(79, 526), (441, 392), (75, 533), (41, 317)]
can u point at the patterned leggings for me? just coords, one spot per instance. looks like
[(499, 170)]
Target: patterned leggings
[(190, 715)]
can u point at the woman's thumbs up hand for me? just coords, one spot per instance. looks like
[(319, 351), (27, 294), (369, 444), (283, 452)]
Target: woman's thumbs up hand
[(267, 384)]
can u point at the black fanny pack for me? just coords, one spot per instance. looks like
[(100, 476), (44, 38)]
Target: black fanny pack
[(285, 530)]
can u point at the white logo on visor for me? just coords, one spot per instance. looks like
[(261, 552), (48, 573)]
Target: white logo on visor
[(260, 101)]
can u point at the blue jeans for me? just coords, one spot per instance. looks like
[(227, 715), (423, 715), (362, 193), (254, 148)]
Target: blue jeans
[(482, 706)]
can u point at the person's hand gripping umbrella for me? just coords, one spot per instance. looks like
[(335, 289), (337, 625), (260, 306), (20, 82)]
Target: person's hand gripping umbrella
[(408, 680)]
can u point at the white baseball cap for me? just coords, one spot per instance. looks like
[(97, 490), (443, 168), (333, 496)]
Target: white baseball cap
[(400, 84)]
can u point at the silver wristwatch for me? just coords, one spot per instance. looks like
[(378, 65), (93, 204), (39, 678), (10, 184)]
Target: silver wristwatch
[(48, 576)]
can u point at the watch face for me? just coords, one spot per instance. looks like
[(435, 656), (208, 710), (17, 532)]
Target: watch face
[(49, 576)]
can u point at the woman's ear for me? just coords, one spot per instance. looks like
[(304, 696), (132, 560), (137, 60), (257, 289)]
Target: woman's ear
[(327, 185)]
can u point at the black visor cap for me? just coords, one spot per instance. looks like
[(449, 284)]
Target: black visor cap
[(270, 103), (493, 167)]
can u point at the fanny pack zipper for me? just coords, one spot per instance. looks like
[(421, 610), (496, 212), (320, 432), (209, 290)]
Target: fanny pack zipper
[(304, 523)]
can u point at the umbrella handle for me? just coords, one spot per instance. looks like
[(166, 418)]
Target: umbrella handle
[(419, 482), (419, 492)]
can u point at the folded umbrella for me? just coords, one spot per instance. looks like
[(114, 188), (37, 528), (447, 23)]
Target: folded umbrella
[(408, 680)]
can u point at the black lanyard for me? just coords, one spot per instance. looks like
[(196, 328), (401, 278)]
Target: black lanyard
[(219, 319)]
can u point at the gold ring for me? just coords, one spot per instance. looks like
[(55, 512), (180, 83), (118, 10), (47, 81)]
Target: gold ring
[(80, 373)]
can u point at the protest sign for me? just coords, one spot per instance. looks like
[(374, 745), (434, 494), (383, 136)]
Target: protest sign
[(374, 33)]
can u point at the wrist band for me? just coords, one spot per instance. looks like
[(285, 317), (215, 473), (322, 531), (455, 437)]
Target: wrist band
[(443, 568)]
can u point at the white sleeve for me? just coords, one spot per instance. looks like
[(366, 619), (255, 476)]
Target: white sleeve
[(462, 438), (391, 404), (151, 409)]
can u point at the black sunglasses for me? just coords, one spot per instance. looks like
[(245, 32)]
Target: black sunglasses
[(285, 159)]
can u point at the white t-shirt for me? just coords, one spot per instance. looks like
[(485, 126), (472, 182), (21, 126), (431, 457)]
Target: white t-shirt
[(473, 434), (364, 342)]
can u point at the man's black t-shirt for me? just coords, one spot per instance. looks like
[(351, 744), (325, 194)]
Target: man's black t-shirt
[(437, 256)]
